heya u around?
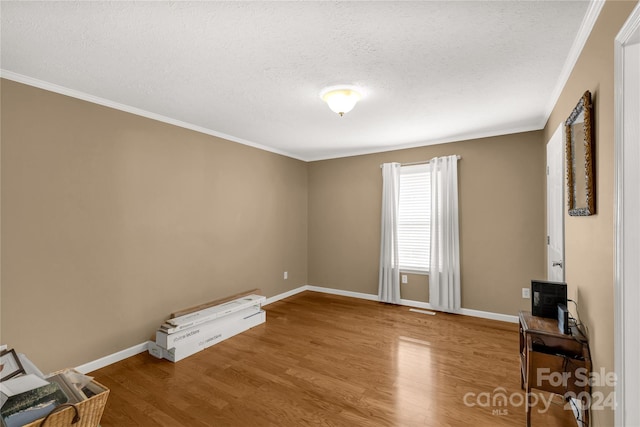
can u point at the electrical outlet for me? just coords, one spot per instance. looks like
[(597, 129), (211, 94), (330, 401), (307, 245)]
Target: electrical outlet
[(286, 275), (404, 278), (526, 293)]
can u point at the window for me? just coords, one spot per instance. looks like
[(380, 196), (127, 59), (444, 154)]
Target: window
[(414, 218)]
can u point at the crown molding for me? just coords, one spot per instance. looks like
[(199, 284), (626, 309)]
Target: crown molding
[(41, 84), (589, 21), (456, 138), (51, 87)]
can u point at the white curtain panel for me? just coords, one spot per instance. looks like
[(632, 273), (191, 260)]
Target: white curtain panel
[(389, 279), (444, 268)]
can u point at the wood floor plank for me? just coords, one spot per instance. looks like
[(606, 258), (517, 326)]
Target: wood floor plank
[(326, 360)]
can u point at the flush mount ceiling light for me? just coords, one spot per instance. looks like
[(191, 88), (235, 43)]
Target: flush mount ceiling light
[(341, 99)]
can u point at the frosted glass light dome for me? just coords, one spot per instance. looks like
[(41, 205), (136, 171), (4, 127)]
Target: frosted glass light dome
[(341, 99)]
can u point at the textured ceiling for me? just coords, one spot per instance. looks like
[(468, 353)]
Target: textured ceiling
[(252, 72)]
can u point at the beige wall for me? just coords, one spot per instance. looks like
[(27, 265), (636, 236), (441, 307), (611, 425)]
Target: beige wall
[(589, 240), (110, 221), (501, 199)]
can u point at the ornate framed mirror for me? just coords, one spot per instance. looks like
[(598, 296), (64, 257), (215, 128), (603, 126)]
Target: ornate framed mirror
[(580, 162)]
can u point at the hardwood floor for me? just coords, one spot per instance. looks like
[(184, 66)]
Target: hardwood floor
[(325, 360)]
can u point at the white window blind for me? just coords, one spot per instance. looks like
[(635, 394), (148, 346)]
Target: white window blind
[(414, 218)]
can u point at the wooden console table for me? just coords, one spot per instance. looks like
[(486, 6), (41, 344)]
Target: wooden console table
[(554, 362)]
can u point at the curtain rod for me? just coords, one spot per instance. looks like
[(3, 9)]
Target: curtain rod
[(422, 162)]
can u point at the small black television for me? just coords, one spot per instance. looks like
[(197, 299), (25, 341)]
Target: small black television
[(545, 297)]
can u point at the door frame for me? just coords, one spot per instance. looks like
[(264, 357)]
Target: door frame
[(626, 295)]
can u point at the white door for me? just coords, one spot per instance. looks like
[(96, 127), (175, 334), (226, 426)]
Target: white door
[(555, 206), (627, 225)]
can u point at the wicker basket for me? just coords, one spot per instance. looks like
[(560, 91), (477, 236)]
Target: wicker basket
[(83, 414)]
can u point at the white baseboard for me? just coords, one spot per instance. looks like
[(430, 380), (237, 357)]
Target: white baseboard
[(142, 347), (489, 315), (113, 358), (285, 295), (417, 304), (351, 294)]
